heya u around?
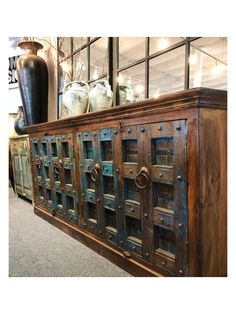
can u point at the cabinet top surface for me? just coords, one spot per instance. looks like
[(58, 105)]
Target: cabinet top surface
[(187, 99)]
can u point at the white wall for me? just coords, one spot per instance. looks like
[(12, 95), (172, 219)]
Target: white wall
[(50, 56)]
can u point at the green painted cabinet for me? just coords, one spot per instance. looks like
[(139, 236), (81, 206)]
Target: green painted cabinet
[(20, 154)]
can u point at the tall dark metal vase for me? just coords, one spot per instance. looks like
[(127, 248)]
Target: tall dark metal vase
[(32, 76)]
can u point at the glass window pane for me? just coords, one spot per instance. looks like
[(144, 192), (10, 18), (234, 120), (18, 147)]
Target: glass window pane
[(205, 70), (160, 43), (64, 46), (64, 74), (99, 58), (78, 42), (166, 73), (132, 84), (80, 66), (131, 49)]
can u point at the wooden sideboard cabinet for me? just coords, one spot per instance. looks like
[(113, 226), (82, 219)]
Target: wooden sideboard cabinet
[(20, 155), (142, 184)]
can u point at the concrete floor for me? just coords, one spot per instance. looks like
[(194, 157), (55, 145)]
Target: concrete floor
[(37, 249)]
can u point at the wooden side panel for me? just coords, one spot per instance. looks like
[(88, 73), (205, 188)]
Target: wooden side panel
[(213, 192), (21, 167)]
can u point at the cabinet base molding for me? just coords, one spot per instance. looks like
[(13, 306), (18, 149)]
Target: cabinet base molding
[(129, 264)]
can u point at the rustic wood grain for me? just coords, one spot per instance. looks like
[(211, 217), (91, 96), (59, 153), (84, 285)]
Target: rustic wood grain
[(201, 243)]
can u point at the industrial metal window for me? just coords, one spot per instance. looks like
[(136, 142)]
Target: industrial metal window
[(143, 67)]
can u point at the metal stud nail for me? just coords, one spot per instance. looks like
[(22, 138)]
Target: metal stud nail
[(161, 219), (160, 175), (117, 170), (147, 254), (98, 200), (142, 130), (160, 128), (181, 272), (179, 178), (146, 215), (132, 209), (119, 207), (100, 231), (128, 130), (115, 132), (178, 127), (163, 263), (121, 242), (180, 225), (83, 194)]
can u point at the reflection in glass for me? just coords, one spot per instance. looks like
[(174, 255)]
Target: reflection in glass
[(99, 58), (166, 73), (80, 66), (78, 42), (65, 71), (64, 45), (134, 79), (131, 49), (161, 43), (208, 59)]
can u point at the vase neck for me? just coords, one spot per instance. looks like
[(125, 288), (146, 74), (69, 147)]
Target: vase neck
[(30, 47)]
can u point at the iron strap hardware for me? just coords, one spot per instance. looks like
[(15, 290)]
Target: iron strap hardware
[(142, 179), (95, 172)]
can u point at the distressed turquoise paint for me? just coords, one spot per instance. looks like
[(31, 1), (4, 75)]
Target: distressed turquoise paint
[(107, 169), (105, 134), (88, 165)]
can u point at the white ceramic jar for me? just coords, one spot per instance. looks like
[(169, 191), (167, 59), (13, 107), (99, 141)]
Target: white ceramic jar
[(100, 96), (75, 99)]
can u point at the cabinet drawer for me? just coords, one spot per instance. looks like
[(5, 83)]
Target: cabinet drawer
[(163, 219), (162, 174), (66, 163), (165, 262), (107, 169), (87, 136), (69, 189), (134, 247), (57, 185), (105, 134), (50, 207), (48, 184), (161, 129), (90, 196), (130, 169), (111, 235), (132, 209), (109, 202)]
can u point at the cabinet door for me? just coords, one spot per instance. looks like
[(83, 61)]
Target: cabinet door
[(132, 196), (65, 201), (17, 171), (89, 179), (38, 172), (54, 170), (167, 195)]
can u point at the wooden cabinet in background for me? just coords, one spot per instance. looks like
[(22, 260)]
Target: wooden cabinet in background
[(20, 156), (142, 184)]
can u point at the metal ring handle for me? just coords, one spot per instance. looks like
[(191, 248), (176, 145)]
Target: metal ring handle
[(58, 167), (95, 172), (142, 175)]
